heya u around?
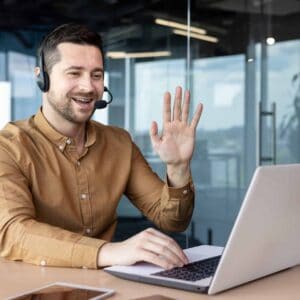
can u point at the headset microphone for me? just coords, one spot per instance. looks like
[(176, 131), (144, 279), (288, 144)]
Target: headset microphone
[(102, 103)]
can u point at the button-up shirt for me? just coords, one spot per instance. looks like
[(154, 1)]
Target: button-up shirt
[(58, 208)]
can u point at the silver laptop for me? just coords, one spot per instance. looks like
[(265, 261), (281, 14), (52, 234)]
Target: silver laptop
[(264, 240)]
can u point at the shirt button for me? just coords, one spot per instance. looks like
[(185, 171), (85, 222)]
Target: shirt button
[(83, 196), (78, 163), (185, 192), (88, 230), (68, 141), (43, 263)]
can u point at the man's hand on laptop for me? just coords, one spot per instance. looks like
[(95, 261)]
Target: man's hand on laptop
[(149, 245)]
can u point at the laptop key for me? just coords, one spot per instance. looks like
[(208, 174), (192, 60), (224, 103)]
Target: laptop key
[(193, 271)]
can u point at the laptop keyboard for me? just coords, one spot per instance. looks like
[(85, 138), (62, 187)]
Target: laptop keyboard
[(193, 271)]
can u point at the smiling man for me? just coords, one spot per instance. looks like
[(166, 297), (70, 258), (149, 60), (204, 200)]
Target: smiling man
[(62, 175), (76, 83)]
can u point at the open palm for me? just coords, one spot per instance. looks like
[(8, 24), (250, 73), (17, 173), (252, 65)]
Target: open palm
[(176, 144)]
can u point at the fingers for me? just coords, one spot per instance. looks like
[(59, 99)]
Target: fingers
[(167, 238), (166, 246), (180, 112), (153, 130), (149, 245), (162, 250), (177, 104), (186, 107), (197, 116), (167, 108), (155, 139), (159, 260)]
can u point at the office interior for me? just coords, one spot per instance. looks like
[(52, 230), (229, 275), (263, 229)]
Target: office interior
[(240, 58)]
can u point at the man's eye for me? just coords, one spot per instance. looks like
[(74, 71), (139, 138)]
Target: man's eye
[(97, 76), (73, 74)]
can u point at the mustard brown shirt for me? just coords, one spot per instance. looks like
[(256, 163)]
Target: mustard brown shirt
[(58, 208)]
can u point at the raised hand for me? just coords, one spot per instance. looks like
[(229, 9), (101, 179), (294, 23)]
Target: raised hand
[(176, 144)]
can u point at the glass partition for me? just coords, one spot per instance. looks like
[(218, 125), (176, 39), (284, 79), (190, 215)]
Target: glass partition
[(25, 94), (253, 60)]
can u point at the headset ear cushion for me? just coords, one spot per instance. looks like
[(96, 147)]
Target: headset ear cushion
[(46, 82), (42, 81)]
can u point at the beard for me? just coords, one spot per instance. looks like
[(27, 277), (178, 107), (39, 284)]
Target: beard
[(64, 107)]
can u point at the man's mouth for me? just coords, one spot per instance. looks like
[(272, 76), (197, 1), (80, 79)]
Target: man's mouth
[(82, 100)]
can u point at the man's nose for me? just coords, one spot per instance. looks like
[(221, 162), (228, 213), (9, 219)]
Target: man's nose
[(86, 83)]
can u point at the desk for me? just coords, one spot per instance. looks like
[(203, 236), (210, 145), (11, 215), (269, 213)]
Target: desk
[(17, 277)]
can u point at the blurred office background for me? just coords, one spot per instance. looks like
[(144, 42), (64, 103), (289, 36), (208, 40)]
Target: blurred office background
[(241, 58)]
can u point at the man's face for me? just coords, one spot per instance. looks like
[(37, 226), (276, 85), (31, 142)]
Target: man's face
[(76, 82)]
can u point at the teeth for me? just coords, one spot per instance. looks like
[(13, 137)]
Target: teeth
[(84, 100)]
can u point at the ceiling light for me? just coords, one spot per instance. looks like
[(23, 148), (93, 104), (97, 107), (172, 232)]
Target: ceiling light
[(119, 55), (270, 41), (177, 25), (207, 38)]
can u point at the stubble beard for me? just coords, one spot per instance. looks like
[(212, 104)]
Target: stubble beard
[(65, 109)]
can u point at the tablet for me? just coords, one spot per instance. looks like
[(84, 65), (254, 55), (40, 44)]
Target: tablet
[(64, 291)]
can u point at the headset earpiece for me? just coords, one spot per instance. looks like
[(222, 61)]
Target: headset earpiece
[(42, 79)]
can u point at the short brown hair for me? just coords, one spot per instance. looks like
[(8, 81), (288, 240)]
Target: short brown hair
[(67, 33)]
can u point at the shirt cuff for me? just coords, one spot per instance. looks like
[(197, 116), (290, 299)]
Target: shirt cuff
[(85, 252), (181, 191)]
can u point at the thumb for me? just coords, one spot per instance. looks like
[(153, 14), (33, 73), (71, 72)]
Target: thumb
[(155, 139)]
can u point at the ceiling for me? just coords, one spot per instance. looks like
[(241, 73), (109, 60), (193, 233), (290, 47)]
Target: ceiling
[(130, 23), (271, 7), (32, 14)]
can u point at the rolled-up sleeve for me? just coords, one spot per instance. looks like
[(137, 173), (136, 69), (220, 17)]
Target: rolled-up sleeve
[(169, 208), (177, 206)]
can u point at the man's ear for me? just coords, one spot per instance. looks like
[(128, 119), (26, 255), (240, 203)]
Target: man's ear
[(37, 71)]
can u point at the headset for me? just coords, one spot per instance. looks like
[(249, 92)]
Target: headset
[(103, 103), (42, 79), (43, 82)]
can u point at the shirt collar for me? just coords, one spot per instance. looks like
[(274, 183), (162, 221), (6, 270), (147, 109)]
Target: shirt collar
[(56, 137), (91, 134)]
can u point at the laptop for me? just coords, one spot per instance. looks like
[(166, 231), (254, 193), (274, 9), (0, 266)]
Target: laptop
[(263, 240)]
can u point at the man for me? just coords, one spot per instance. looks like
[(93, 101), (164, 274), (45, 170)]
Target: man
[(62, 175)]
